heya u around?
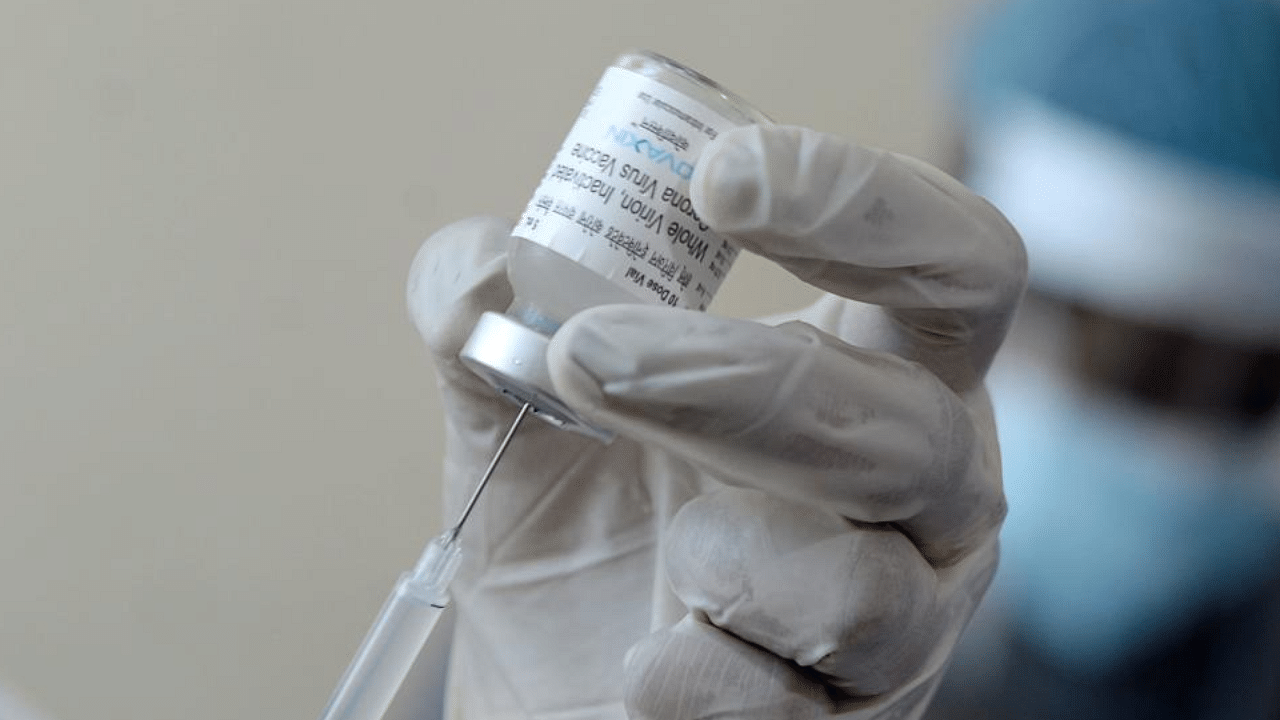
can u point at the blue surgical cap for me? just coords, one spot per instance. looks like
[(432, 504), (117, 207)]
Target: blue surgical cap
[(1199, 79)]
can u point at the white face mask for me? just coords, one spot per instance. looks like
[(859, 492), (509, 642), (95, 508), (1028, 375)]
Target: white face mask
[(1124, 526)]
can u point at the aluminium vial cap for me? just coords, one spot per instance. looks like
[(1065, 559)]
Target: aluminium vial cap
[(513, 359)]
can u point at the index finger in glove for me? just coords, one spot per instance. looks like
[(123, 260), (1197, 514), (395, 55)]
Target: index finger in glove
[(872, 226), (792, 411), (459, 273)]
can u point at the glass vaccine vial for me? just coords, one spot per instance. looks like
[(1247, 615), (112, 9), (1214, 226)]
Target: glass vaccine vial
[(611, 222)]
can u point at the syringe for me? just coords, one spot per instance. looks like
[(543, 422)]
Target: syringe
[(408, 617)]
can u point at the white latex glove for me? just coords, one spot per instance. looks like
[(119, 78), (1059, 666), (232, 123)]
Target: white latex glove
[(795, 521)]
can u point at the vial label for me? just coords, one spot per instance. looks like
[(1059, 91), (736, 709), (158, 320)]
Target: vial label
[(616, 197)]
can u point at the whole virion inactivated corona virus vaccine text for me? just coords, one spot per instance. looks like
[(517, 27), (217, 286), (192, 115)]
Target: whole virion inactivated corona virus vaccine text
[(611, 222)]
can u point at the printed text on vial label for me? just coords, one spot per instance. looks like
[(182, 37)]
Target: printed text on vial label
[(624, 186)]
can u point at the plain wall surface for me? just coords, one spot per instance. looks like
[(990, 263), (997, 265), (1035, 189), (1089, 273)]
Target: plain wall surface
[(219, 439)]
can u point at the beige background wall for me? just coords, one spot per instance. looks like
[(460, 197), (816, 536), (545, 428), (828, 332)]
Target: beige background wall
[(218, 433)]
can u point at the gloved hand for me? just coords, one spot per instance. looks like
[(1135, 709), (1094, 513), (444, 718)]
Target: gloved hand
[(797, 519)]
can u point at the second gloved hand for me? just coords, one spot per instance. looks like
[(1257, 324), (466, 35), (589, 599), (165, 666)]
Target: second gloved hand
[(797, 519)]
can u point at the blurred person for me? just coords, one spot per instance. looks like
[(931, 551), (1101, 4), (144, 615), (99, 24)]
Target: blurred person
[(1136, 147)]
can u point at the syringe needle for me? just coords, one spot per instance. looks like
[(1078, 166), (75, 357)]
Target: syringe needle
[(488, 472), (417, 600)]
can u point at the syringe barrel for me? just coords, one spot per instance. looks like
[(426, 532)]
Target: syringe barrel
[(392, 645), (387, 653)]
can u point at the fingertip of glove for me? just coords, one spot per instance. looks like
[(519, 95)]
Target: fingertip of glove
[(596, 347), (458, 246), (776, 179), (612, 346), (458, 273), (659, 679), (728, 187), (664, 372), (693, 670)]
